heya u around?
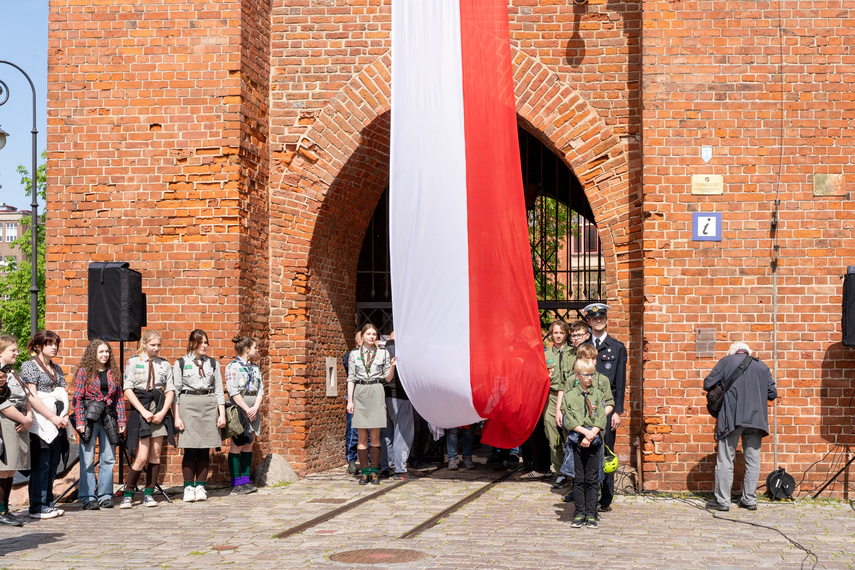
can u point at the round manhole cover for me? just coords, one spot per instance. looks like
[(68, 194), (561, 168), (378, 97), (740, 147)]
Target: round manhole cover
[(378, 556)]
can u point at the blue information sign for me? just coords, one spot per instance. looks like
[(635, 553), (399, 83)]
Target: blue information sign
[(706, 226)]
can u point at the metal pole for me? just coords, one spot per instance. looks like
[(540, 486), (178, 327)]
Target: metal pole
[(34, 221), (775, 352)]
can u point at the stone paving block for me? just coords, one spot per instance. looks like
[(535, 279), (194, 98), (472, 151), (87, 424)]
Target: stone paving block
[(514, 525)]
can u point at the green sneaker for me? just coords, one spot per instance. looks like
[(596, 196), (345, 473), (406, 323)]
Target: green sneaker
[(578, 521)]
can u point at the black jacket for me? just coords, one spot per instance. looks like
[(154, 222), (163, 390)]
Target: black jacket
[(138, 428), (611, 362), (394, 389)]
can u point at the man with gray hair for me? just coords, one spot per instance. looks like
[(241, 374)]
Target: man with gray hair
[(744, 415)]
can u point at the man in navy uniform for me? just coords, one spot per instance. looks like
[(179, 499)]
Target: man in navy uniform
[(611, 362)]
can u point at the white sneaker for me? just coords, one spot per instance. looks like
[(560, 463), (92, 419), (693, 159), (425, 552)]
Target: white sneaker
[(201, 493), (189, 494), (127, 503), (45, 513), (148, 501)]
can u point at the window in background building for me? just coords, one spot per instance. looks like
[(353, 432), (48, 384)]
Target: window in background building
[(11, 231), (585, 238)]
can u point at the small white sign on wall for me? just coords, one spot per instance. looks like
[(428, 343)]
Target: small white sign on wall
[(332, 376)]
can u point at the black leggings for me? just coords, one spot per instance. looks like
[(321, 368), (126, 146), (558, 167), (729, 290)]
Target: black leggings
[(194, 465)]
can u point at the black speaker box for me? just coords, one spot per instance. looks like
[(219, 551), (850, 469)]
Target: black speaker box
[(849, 309), (116, 302)]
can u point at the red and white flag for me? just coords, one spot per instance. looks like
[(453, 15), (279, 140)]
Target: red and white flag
[(467, 331)]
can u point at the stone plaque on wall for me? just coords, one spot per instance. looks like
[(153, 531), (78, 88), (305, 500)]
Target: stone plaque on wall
[(705, 343), (829, 184), (707, 184)]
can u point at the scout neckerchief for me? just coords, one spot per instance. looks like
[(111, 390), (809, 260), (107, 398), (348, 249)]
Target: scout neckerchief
[(366, 362), (200, 364), (589, 409), (251, 382), (52, 377), (149, 383)]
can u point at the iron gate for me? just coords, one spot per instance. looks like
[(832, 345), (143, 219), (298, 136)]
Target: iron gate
[(566, 253)]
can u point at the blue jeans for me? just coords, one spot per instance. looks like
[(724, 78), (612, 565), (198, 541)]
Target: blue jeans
[(105, 470), (451, 441), (398, 435), (44, 463), (350, 439)]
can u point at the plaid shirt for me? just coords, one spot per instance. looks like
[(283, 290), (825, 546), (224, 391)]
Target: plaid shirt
[(90, 389)]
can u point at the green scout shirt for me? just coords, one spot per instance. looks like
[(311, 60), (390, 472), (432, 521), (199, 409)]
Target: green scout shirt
[(574, 409), (601, 383), (566, 357)]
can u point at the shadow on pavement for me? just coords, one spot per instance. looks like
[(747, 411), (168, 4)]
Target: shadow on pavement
[(27, 542)]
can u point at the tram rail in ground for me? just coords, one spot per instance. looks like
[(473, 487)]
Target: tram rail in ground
[(413, 532)]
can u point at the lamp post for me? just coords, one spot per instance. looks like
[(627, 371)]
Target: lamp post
[(34, 220)]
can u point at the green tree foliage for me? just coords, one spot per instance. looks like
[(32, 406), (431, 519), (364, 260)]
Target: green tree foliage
[(551, 224), (15, 278)]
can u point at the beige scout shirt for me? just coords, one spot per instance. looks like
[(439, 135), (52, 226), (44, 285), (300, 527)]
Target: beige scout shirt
[(136, 373), (188, 377)]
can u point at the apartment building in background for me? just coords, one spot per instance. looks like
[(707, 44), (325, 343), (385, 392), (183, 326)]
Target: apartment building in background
[(13, 223)]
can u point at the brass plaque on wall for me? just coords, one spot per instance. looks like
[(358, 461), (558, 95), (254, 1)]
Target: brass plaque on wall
[(829, 184), (707, 184)]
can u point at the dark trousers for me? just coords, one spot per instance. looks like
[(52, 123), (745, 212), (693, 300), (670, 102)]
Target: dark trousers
[(350, 440), (535, 450), (609, 482), (44, 462), (586, 462), (421, 433)]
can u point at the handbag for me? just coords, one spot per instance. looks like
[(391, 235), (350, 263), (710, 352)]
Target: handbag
[(715, 396)]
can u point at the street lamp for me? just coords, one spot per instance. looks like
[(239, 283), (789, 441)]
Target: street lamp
[(34, 220)]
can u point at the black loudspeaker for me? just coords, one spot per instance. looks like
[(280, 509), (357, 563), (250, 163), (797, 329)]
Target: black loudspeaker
[(849, 309), (116, 302)]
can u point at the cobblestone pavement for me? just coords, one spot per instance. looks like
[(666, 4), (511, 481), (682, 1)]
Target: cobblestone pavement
[(515, 524)]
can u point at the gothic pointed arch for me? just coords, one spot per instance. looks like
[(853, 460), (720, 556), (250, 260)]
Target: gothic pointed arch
[(323, 194)]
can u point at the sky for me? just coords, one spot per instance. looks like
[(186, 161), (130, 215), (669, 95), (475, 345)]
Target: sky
[(23, 41)]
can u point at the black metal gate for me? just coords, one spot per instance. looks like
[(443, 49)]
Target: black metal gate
[(565, 249)]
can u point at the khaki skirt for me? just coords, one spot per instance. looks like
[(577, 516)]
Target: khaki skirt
[(199, 414), (369, 406), (17, 446), (157, 430), (255, 425)]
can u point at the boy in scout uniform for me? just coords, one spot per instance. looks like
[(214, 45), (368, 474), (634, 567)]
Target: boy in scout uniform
[(559, 361), (584, 419), (611, 362)]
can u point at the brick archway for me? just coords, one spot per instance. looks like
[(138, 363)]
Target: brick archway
[(322, 198)]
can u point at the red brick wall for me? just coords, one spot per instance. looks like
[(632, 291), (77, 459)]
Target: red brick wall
[(713, 75), (157, 155)]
